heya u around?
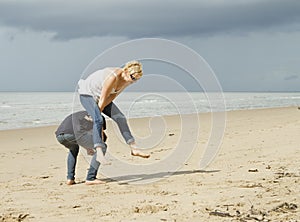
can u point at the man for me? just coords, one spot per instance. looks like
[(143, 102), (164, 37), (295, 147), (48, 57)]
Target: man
[(74, 131)]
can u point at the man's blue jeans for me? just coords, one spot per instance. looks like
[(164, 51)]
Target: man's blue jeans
[(86, 141), (69, 141), (110, 110)]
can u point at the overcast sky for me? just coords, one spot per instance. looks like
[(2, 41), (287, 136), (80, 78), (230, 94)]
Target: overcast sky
[(252, 45)]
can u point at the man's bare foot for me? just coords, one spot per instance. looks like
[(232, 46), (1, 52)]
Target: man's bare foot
[(94, 182), (136, 152), (70, 182)]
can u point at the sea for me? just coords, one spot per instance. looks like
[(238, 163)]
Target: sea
[(33, 109)]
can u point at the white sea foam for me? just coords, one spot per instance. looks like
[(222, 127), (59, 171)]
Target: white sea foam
[(19, 110)]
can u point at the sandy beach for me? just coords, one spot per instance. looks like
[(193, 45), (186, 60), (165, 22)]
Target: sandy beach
[(254, 177)]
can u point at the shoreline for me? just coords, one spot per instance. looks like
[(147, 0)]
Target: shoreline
[(255, 173), (147, 117)]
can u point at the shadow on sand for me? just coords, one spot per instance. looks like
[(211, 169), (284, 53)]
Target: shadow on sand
[(124, 180)]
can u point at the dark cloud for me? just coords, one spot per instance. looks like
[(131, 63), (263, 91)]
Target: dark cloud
[(77, 19), (291, 77)]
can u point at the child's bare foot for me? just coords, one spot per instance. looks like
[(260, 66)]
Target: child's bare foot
[(101, 158), (135, 152), (70, 182), (94, 182)]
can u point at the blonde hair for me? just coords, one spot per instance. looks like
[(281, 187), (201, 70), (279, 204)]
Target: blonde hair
[(134, 68)]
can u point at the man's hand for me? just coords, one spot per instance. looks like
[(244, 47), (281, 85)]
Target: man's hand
[(90, 151)]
